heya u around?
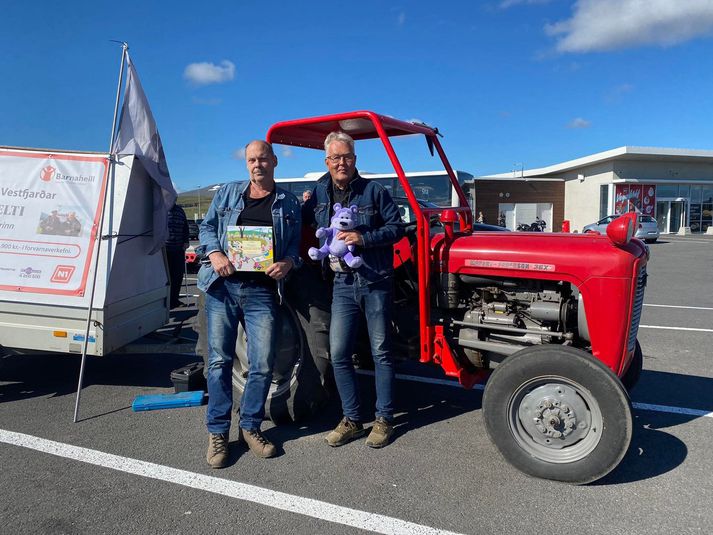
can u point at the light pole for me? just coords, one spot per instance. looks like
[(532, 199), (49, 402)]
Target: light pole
[(199, 202)]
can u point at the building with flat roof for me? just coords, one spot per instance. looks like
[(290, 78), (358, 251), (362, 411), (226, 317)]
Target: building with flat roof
[(673, 185)]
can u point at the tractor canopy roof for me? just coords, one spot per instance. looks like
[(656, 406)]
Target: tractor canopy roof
[(311, 132)]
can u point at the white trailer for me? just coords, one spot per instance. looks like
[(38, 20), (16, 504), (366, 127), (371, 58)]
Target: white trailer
[(50, 204)]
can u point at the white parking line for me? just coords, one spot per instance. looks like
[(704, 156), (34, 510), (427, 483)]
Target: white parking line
[(665, 327), (641, 406), (686, 240), (233, 489), (678, 306)]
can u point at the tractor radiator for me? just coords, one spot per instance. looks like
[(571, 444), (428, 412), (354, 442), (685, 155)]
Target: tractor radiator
[(638, 305)]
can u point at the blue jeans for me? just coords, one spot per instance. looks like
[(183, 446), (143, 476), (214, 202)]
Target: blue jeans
[(352, 297), (228, 302)]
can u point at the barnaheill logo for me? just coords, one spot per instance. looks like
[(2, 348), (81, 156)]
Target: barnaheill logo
[(47, 173), (62, 274)]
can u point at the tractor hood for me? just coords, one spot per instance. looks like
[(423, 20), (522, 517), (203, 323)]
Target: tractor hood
[(553, 256)]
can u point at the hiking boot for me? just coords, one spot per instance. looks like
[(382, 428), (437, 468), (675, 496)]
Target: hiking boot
[(257, 443), (380, 433), (217, 450), (346, 430)]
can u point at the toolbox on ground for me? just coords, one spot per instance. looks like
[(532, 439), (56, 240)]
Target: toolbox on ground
[(189, 378), (153, 402)]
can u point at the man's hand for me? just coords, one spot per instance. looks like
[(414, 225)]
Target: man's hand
[(351, 237), (279, 270), (221, 264)]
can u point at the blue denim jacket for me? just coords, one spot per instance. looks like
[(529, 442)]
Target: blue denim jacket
[(378, 221), (227, 205)]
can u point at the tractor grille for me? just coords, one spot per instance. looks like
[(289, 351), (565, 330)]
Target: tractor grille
[(637, 306)]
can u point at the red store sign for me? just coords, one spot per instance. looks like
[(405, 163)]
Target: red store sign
[(635, 198)]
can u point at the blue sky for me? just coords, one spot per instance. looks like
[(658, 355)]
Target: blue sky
[(509, 82)]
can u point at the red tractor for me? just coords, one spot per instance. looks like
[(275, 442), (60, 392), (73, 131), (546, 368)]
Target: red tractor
[(549, 320)]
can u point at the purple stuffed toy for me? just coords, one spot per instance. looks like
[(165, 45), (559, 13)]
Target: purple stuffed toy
[(343, 219)]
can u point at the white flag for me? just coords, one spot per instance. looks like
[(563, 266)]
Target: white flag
[(138, 135)]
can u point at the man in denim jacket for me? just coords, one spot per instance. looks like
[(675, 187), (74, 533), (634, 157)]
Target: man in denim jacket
[(366, 291), (249, 297)]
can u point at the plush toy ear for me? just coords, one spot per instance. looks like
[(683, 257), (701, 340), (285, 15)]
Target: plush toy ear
[(354, 208), (337, 207)]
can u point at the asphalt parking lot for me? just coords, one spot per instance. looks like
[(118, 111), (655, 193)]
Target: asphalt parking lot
[(117, 471)]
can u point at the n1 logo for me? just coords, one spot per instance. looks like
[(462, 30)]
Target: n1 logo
[(62, 274)]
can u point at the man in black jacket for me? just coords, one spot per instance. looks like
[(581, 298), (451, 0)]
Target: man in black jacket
[(365, 291), (176, 245)]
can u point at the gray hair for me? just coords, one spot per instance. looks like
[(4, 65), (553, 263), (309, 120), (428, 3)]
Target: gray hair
[(339, 136)]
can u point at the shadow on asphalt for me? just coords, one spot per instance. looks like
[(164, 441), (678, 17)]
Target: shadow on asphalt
[(416, 405), (675, 390), (652, 452), (25, 376)]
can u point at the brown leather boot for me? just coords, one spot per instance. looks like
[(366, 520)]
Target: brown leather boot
[(257, 443), (217, 456)]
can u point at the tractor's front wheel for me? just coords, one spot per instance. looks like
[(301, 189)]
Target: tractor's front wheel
[(556, 412)]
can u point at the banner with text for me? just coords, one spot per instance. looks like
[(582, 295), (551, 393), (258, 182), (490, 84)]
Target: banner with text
[(49, 215)]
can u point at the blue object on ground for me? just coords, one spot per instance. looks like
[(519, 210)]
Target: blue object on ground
[(167, 401)]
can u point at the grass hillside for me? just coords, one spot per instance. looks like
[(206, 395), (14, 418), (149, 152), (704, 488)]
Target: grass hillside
[(193, 199)]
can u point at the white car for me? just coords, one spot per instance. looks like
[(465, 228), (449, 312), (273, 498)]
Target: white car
[(648, 227)]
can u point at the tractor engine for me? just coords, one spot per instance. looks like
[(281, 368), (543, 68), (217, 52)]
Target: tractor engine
[(502, 316)]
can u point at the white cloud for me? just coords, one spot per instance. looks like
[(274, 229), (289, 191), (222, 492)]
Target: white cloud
[(209, 73), (239, 154), (286, 152), (617, 93), (401, 19), (578, 122), (599, 25), (509, 3)]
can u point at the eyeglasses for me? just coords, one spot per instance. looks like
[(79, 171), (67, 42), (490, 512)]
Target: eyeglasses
[(346, 158)]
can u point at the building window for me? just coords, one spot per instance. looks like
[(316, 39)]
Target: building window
[(696, 192), (707, 220), (667, 191), (603, 200), (707, 195)]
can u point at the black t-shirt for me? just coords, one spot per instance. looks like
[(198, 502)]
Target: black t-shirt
[(256, 213), (340, 196)]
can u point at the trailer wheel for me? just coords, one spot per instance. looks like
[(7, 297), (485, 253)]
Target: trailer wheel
[(631, 377), (555, 412), (296, 390)]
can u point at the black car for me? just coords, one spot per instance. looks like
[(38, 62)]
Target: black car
[(193, 229), (409, 217)]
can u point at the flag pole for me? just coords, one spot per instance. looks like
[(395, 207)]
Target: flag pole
[(100, 230)]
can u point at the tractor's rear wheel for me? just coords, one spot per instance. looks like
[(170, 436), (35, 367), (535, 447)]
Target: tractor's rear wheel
[(555, 412), (301, 363), (296, 389)]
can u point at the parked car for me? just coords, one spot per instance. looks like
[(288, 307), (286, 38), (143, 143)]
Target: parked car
[(408, 216), (648, 229), (193, 229)]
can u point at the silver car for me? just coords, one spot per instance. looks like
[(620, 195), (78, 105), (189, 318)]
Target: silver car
[(648, 228)]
